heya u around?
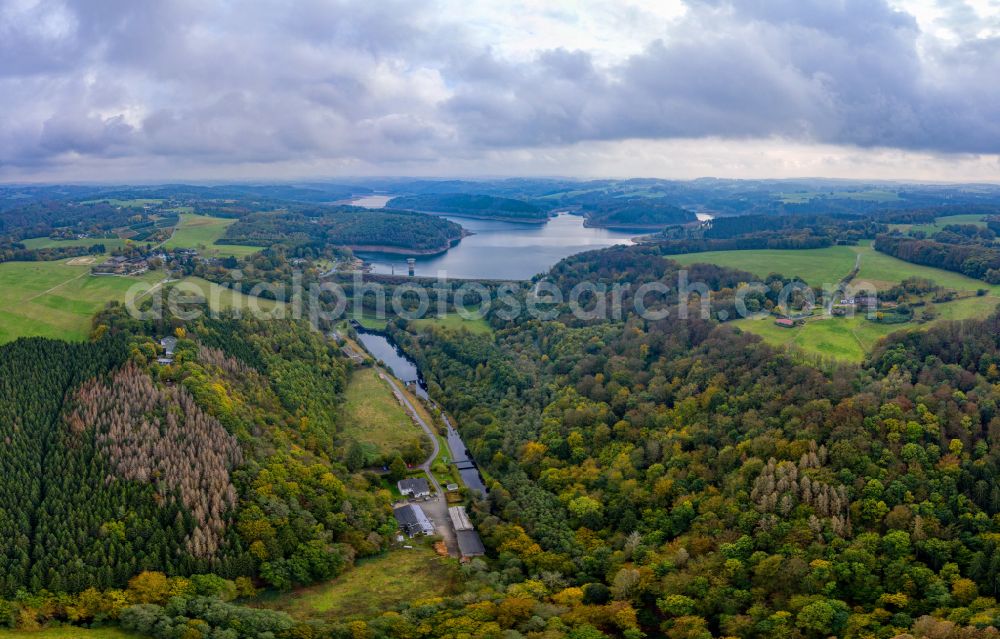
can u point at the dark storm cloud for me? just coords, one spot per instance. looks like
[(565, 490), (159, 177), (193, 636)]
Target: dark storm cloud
[(378, 82)]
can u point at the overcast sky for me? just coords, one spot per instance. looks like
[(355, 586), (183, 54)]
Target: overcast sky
[(123, 90)]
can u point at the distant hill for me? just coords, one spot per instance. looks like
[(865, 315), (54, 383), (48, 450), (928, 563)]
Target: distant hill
[(404, 232), (471, 205), (640, 214)]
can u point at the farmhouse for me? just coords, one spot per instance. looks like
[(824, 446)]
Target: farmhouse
[(120, 265), (414, 487), (413, 521)]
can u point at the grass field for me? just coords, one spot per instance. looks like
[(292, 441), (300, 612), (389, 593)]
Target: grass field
[(454, 321), (940, 223), (828, 265), (44, 242), (871, 195), (368, 321), (134, 203), (851, 338), (201, 231), (57, 299), (846, 338), (373, 586), (813, 266), (374, 417), (54, 299), (222, 298), (66, 632)]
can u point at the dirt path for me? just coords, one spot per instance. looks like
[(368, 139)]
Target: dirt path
[(60, 284)]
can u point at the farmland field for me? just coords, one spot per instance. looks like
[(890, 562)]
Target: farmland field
[(851, 338), (373, 586), (871, 195), (374, 417), (55, 299), (828, 265), (454, 321), (58, 299), (845, 338), (940, 223), (813, 266), (110, 243), (201, 231), (223, 298)]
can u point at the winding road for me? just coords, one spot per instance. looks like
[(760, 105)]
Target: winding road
[(437, 506), (426, 466)]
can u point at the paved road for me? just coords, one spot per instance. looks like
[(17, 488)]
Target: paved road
[(437, 506), (426, 466)]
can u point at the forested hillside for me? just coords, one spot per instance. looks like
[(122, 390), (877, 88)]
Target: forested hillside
[(347, 226), (635, 214), (487, 206), (221, 462), (717, 487)]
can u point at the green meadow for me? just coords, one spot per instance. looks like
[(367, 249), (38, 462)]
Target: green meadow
[(201, 231), (374, 417), (813, 266), (373, 586), (454, 322), (110, 243), (829, 265), (851, 338), (940, 223), (222, 298), (56, 299), (846, 338)]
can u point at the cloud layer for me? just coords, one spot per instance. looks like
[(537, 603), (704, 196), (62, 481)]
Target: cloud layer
[(181, 87)]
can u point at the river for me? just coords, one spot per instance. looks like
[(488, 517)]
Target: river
[(405, 369)]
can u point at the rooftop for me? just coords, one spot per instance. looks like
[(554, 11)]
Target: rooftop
[(412, 520), (469, 543), (459, 518), (415, 485)]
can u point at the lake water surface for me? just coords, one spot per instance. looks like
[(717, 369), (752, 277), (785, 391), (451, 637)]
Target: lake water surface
[(505, 250)]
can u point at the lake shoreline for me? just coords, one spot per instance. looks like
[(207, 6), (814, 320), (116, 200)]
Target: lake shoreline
[(400, 250), (473, 216)]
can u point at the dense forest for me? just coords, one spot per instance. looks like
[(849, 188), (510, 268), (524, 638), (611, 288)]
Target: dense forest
[(949, 250), (224, 461), (767, 232), (405, 231), (469, 204), (709, 485), (635, 214)]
